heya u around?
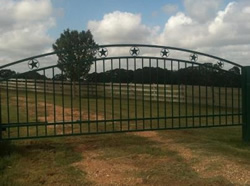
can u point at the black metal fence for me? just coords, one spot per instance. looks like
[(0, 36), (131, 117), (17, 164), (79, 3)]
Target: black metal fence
[(122, 92)]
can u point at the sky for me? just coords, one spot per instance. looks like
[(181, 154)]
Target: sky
[(217, 27)]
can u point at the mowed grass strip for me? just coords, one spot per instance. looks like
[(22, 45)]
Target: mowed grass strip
[(39, 162), (132, 159), (129, 158)]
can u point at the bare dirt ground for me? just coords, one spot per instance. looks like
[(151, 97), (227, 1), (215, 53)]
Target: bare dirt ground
[(119, 171), (125, 170), (231, 170)]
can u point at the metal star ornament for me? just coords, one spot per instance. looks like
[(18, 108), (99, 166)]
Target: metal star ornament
[(103, 52), (134, 51), (34, 63), (193, 57), (164, 52)]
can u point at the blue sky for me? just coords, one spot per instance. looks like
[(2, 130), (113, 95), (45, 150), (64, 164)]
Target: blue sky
[(77, 13), (217, 27)]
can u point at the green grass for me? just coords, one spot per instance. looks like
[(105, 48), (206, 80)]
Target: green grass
[(94, 110), (223, 141), (53, 161), (43, 162)]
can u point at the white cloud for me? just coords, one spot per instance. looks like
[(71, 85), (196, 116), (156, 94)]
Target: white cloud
[(31, 10), (227, 34), (202, 10), (121, 27), (23, 33)]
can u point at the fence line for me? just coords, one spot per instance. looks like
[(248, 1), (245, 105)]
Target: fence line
[(204, 95)]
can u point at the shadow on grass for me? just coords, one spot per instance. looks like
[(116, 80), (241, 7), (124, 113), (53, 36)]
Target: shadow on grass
[(226, 141), (38, 162)]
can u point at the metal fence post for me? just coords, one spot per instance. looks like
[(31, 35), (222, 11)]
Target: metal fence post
[(1, 128), (246, 103)]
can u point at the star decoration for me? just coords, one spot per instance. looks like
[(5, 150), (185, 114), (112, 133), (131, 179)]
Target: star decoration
[(33, 64), (134, 51), (220, 63), (164, 52), (103, 52), (193, 57)]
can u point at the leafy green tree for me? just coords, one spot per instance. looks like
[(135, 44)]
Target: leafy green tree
[(60, 77), (5, 73), (235, 70), (76, 51)]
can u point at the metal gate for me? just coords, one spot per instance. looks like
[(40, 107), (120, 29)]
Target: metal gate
[(128, 88)]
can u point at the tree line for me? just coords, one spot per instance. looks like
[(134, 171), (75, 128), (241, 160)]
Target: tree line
[(148, 75), (187, 76)]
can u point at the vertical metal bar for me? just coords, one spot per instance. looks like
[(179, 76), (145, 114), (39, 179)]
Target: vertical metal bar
[(72, 94), (54, 99), (186, 96), (120, 92), (88, 104), (207, 94), (219, 105), (128, 111), (172, 94), (150, 92), (179, 98), (213, 99), (1, 121), (17, 105), (36, 110), (45, 103), (27, 106), (143, 101), (165, 98), (239, 105), (199, 86), (193, 99), (157, 87), (63, 104), (80, 101), (226, 103), (8, 102), (135, 94), (112, 94), (232, 105), (246, 103), (96, 97), (104, 88)]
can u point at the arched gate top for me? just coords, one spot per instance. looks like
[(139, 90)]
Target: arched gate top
[(139, 50)]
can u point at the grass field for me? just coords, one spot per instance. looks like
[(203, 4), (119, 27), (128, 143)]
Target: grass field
[(64, 115), (211, 156), (214, 156)]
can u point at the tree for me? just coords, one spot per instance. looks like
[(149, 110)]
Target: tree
[(60, 77), (235, 70), (31, 75), (76, 52), (5, 73)]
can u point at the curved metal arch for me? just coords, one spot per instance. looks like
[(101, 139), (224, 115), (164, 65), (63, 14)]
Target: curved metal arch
[(125, 57), (161, 58), (172, 48), (127, 45)]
